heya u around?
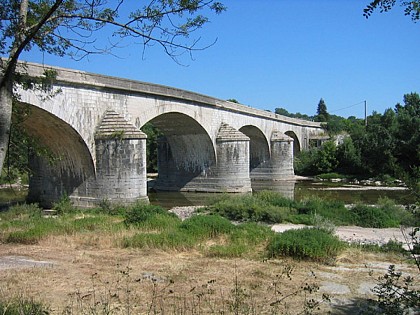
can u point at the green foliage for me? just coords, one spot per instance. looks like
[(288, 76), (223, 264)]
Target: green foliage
[(274, 198), (243, 240), (20, 306), (64, 205), (388, 146), (349, 157), (171, 239), (153, 134), (333, 210), (247, 208), (284, 112), (385, 214), (306, 243), (411, 8), (156, 22), (321, 112), (271, 207), (326, 160), (25, 224), (22, 211), (142, 212), (206, 226)]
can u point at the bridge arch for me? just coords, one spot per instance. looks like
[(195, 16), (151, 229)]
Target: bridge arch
[(71, 163), (185, 151), (296, 143), (259, 151)]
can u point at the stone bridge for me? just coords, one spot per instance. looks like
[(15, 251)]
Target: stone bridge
[(92, 124)]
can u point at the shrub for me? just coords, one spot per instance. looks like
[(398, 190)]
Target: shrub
[(333, 210), (248, 208), (64, 205), (142, 212), (393, 246), (374, 217), (306, 243)]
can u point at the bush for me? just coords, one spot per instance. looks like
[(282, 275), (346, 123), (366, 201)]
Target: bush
[(64, 205), (249, 208), (333, 210), (142, 212), (374, 217), (306, 243)]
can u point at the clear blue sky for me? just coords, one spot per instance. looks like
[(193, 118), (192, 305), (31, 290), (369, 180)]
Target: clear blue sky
[(285, 53)]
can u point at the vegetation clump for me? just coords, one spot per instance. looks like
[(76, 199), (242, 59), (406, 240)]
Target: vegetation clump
[(272, 207), (307, 243)]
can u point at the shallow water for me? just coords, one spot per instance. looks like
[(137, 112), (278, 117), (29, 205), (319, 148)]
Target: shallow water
[(299, 190)]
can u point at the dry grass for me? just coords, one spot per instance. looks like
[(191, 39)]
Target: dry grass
[(89, 270)]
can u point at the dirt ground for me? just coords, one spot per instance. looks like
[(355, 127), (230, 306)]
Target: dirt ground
[(75, 274)]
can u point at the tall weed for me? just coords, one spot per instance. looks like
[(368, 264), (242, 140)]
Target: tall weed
[(306, 243)]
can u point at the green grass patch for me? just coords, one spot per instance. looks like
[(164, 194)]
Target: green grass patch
[(246, 239), (141, 212), (271, 207), (306, 243), (19, 306), (173, 239), (384, 215), (206, 226), (248, 208), (25, 224)]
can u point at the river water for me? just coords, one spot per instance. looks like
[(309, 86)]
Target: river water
[(298, 190)]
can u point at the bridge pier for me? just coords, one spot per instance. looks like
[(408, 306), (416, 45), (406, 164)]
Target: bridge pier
[(280, 165), (119, 176), (228, 173), (232, 172), (120, 162)]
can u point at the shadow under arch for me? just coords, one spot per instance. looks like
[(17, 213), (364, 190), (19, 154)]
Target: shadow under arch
[(259, 152), (296, 143), (186, 153), (71, 162)]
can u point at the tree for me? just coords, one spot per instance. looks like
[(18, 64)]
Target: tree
[(411, 8), (282, 111), (326, 160), (75, 27), (321, 111)]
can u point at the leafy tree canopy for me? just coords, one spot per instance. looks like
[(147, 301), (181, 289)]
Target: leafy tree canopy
[(411, 8), (321, 111)]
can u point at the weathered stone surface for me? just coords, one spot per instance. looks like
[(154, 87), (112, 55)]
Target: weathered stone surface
[(211, 144)]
